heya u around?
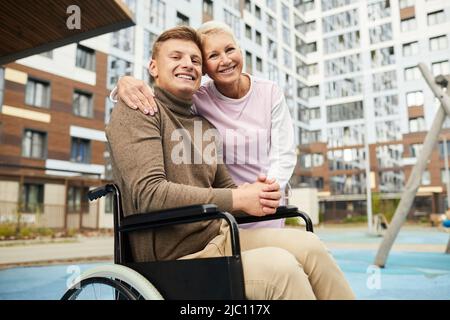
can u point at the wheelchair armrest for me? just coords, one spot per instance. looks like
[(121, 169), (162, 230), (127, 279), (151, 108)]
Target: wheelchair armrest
[(181, 215), (282, 212)]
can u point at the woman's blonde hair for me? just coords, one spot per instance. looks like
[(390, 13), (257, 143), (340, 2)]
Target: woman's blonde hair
[(214, 26)]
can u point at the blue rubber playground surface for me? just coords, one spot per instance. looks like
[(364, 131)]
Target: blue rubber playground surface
[(408, 274)]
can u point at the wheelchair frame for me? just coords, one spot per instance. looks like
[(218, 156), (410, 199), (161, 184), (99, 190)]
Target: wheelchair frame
[(169, 276)]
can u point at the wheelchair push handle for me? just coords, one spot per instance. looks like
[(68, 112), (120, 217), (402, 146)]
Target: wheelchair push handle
[(100, 192)]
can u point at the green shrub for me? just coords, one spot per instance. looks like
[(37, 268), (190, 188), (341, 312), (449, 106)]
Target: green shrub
[(293, 221), (71, 232), (45, 232), (7, 230), (355, 219), (26, 232)]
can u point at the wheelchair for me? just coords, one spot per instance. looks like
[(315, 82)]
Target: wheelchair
[(217, 278)]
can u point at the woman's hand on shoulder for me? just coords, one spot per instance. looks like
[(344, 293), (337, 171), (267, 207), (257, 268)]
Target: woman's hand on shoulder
[(136, 94)]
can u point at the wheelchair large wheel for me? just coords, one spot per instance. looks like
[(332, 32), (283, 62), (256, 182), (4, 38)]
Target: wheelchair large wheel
[(112, 282), (101, 289)]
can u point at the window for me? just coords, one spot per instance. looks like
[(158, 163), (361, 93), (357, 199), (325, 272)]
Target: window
[(285, 13), (436, 17), (406, 3), (414, 98), (271, 4), (248, 5), (412, 73), (32, 198), (438, 43), (131, 5), (34, 144), (417, 124), (208, 7), (124, 40), (311, 160), (273, 72), (441, 149), (248, 62), (157, 13), (233, 22), (235, 4), (80, 150), (341, 42), (346, 64), (77, 199), (258, 37), (408, 24), (85, 58), (415, 149), (346, 87), (379, 10), (117, 68), (287, 59), (426, 181), (329, 4), (258, 12), (286, 36), (272, 49), (444, 175), (149, 40), (383, 56), (182, 20), (259, 65), (248, 31), (340, 21), (345, 111), (380, 33), (82, 104), (37, 93), (410, 49), (271, 24), (384, 81), (386, 105), (109, 106), (307, 5), (441, 67)]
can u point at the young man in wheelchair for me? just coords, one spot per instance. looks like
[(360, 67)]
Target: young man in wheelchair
[(173, 159)]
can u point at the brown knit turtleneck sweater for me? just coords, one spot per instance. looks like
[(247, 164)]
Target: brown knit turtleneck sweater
[(141, 152)]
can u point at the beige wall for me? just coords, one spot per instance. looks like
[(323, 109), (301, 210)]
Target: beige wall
[(307, 200), (106, 219), (54, 202), (9, 191)]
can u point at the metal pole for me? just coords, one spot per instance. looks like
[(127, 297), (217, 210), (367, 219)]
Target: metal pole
[(368, 183), (446, 172), (414, 179)]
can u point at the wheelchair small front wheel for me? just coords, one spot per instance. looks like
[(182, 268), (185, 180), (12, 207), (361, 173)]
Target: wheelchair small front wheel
[(99, 288)]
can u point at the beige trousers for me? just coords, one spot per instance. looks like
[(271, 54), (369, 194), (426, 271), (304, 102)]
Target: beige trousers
[(282, 263)]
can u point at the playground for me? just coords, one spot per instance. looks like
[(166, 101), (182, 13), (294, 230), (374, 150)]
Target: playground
[(417, 267)]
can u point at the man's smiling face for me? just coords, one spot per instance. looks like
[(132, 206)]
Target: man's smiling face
[(177, 67)]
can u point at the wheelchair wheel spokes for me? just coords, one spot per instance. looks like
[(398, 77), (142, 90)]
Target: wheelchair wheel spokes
[(101, 289)]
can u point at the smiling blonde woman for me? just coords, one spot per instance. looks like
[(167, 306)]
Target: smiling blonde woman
[(249, 112)]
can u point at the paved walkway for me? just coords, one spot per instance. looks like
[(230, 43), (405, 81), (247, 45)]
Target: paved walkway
[(82, 249), (410, 239)]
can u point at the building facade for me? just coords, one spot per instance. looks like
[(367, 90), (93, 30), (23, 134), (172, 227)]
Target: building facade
[(366, 85), (348, 72)]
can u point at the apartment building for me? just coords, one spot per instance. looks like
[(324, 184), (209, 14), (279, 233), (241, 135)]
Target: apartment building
[(363, 82)]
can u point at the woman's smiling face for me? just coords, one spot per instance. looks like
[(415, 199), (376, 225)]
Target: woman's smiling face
[(223, 60)]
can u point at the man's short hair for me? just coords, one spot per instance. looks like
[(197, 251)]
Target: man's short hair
[(180, 33)]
